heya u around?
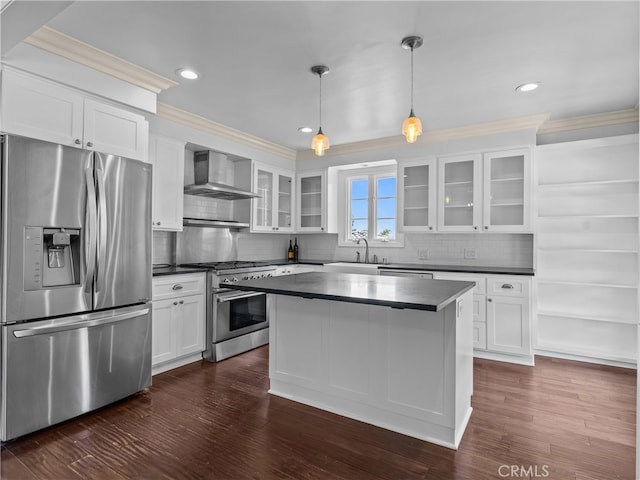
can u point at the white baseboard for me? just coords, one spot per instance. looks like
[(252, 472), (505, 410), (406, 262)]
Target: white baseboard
[(586, 359), (178, 362)]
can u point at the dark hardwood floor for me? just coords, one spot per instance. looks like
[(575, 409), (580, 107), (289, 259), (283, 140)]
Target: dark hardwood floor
[(559, 420)]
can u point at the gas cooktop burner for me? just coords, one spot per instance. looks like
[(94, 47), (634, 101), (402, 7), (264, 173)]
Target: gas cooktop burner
[(222, 265)]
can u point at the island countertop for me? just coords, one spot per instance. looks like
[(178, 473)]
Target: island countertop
[(396, 292)]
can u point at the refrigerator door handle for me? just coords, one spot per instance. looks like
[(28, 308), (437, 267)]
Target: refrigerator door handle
[(102, 230), (82, 321), (90, 237)]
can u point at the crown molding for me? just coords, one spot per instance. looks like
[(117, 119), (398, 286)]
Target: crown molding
[(68, 47), (209, 126), (589, 121), (435, 136)]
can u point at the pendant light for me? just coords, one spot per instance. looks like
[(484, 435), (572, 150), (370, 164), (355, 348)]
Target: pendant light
[(320, 142), (412, 126)]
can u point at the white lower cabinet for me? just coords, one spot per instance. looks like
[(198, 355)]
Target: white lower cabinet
[(508, 325), (501, 315), (178, 335)]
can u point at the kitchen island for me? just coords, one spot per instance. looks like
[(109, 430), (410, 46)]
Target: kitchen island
[(390, 351)]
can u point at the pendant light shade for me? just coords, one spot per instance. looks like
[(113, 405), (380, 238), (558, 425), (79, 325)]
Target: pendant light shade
[(412, 126), (320, 142)]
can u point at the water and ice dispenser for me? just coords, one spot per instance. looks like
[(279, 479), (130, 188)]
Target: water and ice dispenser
[(52, 257)]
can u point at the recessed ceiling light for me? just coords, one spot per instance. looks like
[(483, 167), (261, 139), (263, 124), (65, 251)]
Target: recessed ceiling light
[(187, 73), (305, 129), (527, 87)]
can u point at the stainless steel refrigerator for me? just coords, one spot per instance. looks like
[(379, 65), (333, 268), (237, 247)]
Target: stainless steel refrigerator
[(76, 282)]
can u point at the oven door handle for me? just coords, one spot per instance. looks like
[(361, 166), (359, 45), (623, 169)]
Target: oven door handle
[(227, 298)]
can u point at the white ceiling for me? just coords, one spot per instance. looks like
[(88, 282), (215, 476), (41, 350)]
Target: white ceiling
[(254, 58)]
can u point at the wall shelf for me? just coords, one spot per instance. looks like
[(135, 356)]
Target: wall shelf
[(587, 248), (594, 318)]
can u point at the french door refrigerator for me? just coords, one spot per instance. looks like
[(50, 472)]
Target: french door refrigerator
[(76, 282)]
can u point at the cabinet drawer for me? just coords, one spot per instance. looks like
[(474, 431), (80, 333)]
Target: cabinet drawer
[(508, 286), (171, 286), (479, 280)]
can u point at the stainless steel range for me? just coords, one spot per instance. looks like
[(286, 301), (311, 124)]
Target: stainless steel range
[(236, 321)]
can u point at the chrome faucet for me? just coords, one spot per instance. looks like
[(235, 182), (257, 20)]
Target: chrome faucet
[(366, 248)]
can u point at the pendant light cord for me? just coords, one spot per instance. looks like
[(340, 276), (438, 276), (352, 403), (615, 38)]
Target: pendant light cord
[(320, 109), (412, 80)]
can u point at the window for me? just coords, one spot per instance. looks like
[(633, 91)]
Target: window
[(371, 205)]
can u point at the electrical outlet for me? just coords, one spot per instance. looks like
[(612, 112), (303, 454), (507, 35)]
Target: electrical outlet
[(470, 253), (423, 254)]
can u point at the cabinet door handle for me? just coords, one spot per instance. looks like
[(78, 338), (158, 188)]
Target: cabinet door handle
[(489, 300), (177, 286), (486, 228), (475, 228), (181, 302), (77, 141), (89, 144), (322, 228), (175, 303), (430, 228), (508, 286)]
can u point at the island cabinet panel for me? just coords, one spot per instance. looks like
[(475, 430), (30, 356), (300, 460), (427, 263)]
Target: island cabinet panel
[(302, 362), (406, 370), (345, 347)]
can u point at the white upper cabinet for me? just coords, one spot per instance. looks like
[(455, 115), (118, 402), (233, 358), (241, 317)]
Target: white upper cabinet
[(312, 202), (114, 130), (36, 108), (273, 210), (459, 193), (417, 195), (477, 192), (507, 191), (167, 157)]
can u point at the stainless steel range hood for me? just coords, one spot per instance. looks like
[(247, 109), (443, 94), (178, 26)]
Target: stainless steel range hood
[(206, 186)]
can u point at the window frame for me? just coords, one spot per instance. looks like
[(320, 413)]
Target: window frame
[(372, 174)]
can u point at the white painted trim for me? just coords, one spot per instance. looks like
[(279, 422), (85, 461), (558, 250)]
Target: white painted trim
[(589, 121), (68, 47), (436, 136), (504, 357), (586, 359), (590, 143), (209, 126), (175, 363)]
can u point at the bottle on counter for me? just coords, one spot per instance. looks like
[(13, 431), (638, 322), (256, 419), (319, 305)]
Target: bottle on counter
[(290, 252), (295, 250)]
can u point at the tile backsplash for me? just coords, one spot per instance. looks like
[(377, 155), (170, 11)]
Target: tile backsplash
[(506, 249)]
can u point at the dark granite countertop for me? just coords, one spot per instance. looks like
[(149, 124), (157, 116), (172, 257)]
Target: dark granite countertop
[(284, 261), (492, 270), (174, 270), (396, 292), (464, 269)]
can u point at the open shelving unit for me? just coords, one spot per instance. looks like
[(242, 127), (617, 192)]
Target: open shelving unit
[(587, 248)]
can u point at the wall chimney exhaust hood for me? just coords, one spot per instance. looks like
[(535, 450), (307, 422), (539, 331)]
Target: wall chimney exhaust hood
[(207, 186)]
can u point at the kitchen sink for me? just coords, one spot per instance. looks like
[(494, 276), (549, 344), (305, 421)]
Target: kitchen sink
[(352, 267)]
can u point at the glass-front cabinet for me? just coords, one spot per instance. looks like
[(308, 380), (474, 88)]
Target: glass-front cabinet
[(311, 207), (273, 210), (507, 191), (460, 196), (417, 191)]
